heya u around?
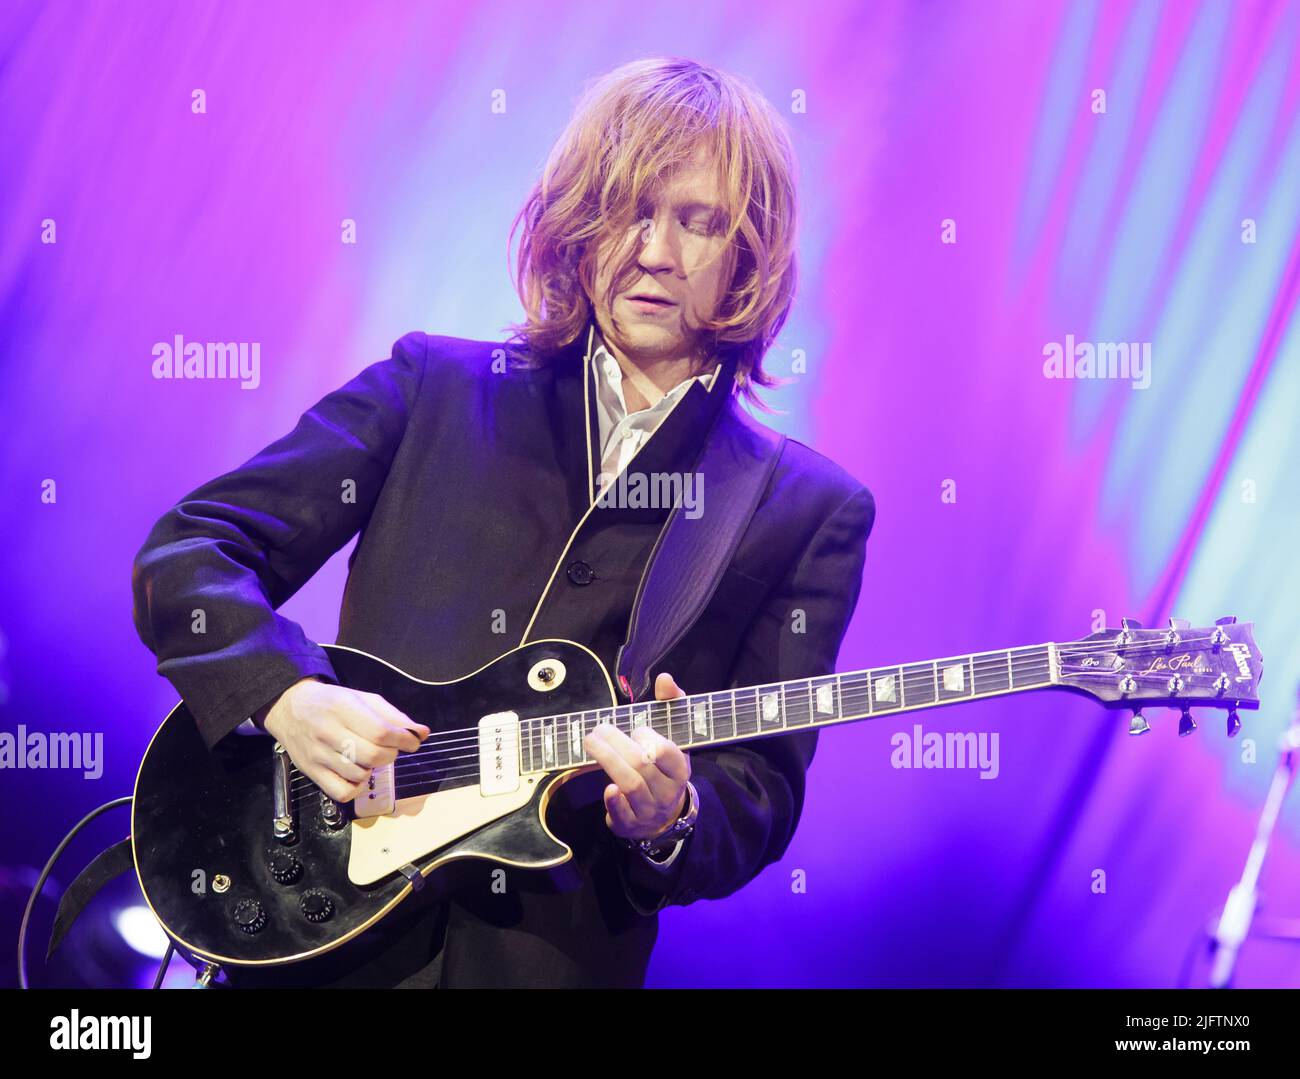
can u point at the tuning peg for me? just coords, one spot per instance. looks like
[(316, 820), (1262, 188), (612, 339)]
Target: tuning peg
[(1130, 623), (1227, 620), (1234, 724), (1138, 725), (1173, 638), (1187, 724)]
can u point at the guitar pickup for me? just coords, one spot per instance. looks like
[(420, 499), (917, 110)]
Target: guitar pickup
[(498, 753)]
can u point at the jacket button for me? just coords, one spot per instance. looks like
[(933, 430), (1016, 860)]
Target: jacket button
[(580, 573)]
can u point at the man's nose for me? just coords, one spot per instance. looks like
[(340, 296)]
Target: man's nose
[(658, 251)]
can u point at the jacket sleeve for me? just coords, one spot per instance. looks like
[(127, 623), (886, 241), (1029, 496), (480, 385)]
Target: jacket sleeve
[(215, 567), (751, 794)]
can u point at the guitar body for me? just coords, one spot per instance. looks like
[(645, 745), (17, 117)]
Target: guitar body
[(229, 890)]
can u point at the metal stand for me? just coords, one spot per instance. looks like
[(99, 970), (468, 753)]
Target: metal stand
[(1239, 911)]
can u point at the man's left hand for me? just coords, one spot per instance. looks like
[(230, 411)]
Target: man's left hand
[(649, 774)]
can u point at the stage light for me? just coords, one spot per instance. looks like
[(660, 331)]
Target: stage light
[(140, 929)]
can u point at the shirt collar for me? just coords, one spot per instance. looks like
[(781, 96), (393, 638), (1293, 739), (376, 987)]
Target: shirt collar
[(603, 404), (609, 381)]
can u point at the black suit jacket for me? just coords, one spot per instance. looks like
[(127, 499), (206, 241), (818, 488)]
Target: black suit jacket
[(467, 478)]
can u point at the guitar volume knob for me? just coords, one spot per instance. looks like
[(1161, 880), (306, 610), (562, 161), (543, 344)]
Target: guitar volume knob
[(249, 916), (316, 906), (285, 868)]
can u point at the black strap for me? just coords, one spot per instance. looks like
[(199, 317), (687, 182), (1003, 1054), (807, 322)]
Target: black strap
[(107, 865)]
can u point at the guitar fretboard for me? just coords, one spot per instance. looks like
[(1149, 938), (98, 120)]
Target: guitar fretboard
[(705, 719)]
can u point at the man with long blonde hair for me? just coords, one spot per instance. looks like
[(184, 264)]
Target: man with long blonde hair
[(508, 492)]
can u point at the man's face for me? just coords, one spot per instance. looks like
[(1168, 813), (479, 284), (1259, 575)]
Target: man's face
[(673, 247)]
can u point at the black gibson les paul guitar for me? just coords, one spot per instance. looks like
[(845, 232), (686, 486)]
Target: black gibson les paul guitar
[(246, 862)]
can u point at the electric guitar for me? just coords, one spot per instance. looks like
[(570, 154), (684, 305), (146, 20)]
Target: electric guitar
[(246, 862)]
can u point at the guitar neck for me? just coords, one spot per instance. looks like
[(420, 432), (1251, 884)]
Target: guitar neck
[(736, 715)]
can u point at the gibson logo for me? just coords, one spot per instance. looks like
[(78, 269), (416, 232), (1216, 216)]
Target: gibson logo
[(1177, 663), (1242, 655)]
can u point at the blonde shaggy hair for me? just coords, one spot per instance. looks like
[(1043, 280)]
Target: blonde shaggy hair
[(629, 130)]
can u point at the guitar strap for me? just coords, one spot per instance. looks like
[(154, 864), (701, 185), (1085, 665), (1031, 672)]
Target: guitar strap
[(692, 553), (108, 864)]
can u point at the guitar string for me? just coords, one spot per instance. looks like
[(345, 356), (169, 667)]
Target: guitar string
[(985, 663), (852, 698), (437, 768), (747, 724), (446, 766), (744, 711), (911, 678), (738, 708)]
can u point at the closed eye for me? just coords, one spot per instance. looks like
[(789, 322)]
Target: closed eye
[(700, 226)]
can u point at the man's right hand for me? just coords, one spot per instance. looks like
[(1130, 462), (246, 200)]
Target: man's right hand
[(337, 735)]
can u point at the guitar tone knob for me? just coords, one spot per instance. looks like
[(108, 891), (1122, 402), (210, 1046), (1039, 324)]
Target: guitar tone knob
[(285, 869), (249, 916), (316, 906)]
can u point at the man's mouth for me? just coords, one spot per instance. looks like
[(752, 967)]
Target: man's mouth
[(651, 301)]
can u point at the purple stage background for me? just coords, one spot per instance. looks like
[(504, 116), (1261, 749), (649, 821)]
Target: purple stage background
[(1168, 218)]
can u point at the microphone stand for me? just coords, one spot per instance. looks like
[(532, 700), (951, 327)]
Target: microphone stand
[(1239, 910)]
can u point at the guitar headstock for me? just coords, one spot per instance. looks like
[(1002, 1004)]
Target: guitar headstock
[(1183, 667)]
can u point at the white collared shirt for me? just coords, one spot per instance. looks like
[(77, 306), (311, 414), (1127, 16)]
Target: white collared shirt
[(623, 433)]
